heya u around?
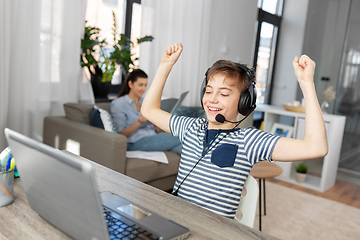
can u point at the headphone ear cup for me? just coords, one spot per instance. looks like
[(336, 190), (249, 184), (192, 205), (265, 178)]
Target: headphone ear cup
[(202, 91), (244, 103), (247, 100)]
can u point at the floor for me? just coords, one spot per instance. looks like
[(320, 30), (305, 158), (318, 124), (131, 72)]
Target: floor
[(347, 186), (346, 189)]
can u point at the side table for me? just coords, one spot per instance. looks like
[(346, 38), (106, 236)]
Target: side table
[(263, 170)]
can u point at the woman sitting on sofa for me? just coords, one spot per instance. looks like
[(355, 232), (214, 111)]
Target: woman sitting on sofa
[(140, 133)]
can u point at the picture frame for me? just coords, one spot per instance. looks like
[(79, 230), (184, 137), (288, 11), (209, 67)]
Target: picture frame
[(281, 130)]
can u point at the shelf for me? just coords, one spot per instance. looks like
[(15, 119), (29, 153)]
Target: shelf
[(311, 181), (334, 124)]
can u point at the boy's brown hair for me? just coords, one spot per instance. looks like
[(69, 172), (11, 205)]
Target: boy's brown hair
[(230, 70)]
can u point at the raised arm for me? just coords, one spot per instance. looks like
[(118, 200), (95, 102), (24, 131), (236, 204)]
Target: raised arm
[(314, 144), (150, 108)]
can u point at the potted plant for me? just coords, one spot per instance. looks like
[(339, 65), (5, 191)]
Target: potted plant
[(301, 170), (102, 60)]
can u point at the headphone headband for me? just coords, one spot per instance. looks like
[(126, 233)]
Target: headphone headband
[(249, 73)]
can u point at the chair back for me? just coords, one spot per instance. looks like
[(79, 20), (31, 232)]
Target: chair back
[(248, 202)]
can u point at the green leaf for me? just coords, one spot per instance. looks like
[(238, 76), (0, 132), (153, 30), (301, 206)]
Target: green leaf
[(301, 168), (93, 56), (145, 39)]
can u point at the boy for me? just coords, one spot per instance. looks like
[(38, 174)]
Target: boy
[(217, 157)]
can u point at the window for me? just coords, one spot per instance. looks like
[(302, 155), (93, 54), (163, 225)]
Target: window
[(128, 21), (99, 14), (271, 6), (269, 19)]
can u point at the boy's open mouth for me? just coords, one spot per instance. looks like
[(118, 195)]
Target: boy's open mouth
[(213, 109)]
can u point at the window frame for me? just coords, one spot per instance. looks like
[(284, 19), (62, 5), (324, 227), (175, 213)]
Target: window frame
[(128, 16), (115, 88), (275, 20)]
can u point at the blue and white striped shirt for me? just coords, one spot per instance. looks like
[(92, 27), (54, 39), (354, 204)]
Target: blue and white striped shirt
[(217, 181)]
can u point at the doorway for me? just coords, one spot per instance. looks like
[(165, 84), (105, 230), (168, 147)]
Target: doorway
[(348, 100)]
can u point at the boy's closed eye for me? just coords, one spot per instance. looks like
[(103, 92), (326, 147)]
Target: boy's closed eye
[(223, 94), (208, 90)]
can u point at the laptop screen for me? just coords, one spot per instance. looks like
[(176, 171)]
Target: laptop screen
[(59, 186)]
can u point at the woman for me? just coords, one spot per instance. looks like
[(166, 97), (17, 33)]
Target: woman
[(129, 121)]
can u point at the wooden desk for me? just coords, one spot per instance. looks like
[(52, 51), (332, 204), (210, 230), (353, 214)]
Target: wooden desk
[(18, 221), (263, 170)]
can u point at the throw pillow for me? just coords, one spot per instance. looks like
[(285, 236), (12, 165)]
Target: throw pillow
[(106, 120), (95, 119)]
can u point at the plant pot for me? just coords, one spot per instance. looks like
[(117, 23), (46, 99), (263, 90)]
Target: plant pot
[(100, 89), (300, 177)]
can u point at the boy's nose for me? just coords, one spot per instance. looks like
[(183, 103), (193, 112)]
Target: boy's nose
[(213, 99)]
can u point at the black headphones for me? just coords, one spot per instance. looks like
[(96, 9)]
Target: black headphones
[(247, 101)]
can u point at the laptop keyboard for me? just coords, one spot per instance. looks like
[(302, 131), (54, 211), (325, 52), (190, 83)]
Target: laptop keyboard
[(122, 228)]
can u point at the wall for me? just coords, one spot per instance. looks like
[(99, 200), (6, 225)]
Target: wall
[(232, 31), (290, 44), (209, 31), (324, 41)]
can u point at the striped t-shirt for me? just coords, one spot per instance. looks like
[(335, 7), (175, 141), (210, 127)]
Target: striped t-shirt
[(217, 181)]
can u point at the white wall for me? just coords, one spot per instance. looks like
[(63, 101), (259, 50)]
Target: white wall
[(232, 31), (230, 34), (290, 44), (209, 31), (324, 41)]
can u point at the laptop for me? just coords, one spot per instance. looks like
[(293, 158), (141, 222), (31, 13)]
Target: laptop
[(170, 104), (61, 188)]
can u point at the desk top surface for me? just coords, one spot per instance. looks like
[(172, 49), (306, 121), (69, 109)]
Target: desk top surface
[(19, 221)]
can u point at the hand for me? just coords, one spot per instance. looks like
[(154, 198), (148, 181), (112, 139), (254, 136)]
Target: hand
[(304, 68), (172, 54), (142, 119)]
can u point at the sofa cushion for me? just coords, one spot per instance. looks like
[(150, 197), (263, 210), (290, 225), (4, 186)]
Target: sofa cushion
[(80, 112), (148, 170), (190, 112)]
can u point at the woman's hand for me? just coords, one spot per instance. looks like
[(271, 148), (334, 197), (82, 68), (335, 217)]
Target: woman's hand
[(142, 119), (172, 54), (304, 68)]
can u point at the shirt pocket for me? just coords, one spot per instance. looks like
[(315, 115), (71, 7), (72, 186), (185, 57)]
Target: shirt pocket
[(224, 155)]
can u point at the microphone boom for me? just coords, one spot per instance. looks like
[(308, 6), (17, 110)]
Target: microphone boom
[(221, 119)]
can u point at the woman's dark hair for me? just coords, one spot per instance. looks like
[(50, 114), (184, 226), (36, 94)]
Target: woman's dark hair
[(133, 76)]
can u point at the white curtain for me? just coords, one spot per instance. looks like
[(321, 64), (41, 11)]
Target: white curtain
[(39, 62), (169, 22)]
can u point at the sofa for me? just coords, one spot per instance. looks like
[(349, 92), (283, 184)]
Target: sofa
[(105, 147)]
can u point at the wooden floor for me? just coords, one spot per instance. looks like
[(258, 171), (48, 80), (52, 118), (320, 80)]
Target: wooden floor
[(343, 192)]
